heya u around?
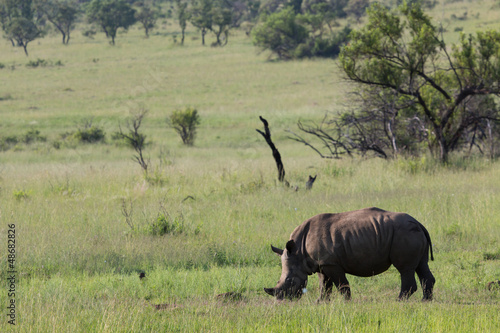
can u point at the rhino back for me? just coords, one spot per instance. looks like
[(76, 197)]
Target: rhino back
[(359, 242)]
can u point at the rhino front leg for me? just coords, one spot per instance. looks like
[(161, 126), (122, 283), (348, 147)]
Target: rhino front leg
[(333, 276), (325, 286)]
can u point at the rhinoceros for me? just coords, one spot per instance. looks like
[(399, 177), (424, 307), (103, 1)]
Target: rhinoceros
[(363, 243)]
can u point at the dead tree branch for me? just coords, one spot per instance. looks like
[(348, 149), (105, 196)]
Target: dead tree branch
[(276, 153)]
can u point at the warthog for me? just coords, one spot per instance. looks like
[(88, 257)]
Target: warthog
[(364, 243)]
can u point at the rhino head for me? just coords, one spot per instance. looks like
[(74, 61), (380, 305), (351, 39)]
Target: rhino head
[(293, 279)]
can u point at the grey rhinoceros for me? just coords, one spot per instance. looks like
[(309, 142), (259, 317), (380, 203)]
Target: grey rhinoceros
[(363, 243)]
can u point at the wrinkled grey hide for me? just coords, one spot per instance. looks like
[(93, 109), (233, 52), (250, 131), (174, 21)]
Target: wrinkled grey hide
[(364, 242)]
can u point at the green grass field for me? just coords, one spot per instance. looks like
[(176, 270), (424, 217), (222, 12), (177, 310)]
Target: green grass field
[(78, 260)]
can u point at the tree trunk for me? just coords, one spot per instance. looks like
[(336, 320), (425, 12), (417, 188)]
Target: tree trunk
[(25, 45), (203, 32), (444, 148), (392, 137), (218, 38), (182, 39)]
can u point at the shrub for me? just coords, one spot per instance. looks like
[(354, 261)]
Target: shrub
[(6, 97), (165, 224), (33, 135), (325, 47), (287, 35), (21, 195), (43, 63), (90, 134), (89, 33), (185, 122)]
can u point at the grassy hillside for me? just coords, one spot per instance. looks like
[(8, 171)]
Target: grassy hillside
[(78, 257)]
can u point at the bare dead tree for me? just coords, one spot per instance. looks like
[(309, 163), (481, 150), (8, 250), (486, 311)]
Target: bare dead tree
[(328, 133), (483, 133), (135, 139), (276, 154), (127, 210), (380, 122)]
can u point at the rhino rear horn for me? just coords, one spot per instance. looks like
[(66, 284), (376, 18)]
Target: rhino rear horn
[(276, 250), (290, 246), (269, 291)]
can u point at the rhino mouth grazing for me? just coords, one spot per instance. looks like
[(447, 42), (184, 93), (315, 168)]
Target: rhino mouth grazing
[(293, 289)]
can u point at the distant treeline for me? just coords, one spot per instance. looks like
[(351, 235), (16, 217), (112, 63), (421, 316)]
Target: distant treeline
[(288, 28)]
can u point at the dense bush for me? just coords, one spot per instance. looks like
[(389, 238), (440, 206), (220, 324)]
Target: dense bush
[(165, 224), (280, 33), (324, 47), (292, 36)]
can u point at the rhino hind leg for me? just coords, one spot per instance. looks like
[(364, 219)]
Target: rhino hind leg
[(427, 280)]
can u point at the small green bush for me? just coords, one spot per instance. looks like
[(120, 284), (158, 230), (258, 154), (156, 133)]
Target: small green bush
[(492, 255), (165, 224), (89, 33), (21, 195), (92, 134), (185, 123), (6, 97), (43, 63)]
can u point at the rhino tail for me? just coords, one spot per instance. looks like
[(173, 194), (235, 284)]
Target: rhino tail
[(426, 233)]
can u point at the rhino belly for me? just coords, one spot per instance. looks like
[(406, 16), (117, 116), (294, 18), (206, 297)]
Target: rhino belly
[(366, 267), (360, 259)]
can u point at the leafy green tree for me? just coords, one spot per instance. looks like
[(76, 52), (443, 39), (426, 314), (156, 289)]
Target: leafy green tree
[(333, 7), (18, 21), (403, 53), (304, 35), (22, 31), (61, 14), (357, 8), (222, 17), (201, 16), (111, 15), (280, 33), (212, 15), (185, 122), (147, 16)]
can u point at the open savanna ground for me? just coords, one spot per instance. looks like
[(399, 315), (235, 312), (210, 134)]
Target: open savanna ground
[(85, 215)]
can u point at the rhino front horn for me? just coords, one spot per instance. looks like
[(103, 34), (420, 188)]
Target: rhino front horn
[(276, 250), (269, 291)]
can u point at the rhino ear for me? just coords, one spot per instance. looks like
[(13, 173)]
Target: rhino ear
[(269, 291), (276, 250), (290, 246)]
